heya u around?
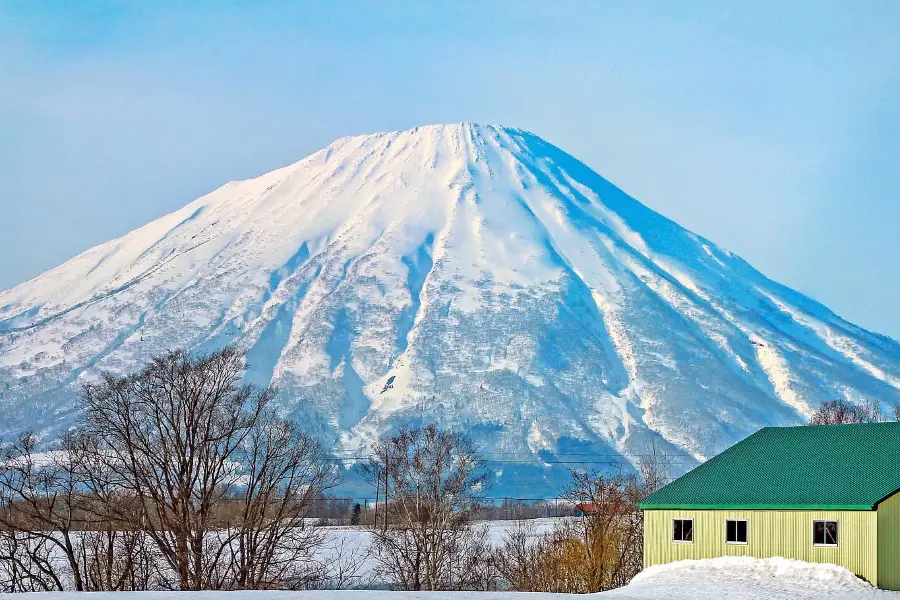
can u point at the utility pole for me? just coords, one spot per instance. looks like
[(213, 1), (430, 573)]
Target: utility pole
[(386, 462), (375, 522)]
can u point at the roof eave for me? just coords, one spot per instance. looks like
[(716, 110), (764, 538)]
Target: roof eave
[(644, 506)]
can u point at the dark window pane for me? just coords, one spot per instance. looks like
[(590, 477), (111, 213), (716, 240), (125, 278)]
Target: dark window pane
[(735, 531), (688, 531), (818, 532), (678, 530), (831, 532)]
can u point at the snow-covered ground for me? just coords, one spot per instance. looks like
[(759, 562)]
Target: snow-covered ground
[(350, 545), (737, 578), (734, 578), (745, 578)]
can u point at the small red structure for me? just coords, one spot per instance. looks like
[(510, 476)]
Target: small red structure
[(585, 508)]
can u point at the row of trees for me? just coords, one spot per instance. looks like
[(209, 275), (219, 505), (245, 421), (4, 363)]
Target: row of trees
[(842, 412), (180, 477)]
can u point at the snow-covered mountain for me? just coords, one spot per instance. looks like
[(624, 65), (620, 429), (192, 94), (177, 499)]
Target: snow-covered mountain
[(469, 274)]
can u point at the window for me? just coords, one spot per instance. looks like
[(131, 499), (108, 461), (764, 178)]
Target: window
[(735, 531), (683, 530), (825, 533)]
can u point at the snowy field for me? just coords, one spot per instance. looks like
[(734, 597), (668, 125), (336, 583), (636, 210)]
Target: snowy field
[(733, 578), (737, 578), (350, 545)]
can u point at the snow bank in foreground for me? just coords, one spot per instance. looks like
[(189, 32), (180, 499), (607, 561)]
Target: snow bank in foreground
[(785, 570), (746, 578)]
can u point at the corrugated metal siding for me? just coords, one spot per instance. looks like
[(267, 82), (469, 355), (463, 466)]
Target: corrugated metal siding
[(889, 543), (785, 533)]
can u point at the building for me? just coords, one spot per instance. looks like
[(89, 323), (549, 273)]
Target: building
[(585, 509), (817, 493)]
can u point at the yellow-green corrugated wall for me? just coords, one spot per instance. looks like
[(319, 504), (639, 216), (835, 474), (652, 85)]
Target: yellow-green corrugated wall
[(785, 533), (889, 543)]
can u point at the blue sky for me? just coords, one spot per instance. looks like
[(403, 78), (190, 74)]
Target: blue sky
[(772, 128)]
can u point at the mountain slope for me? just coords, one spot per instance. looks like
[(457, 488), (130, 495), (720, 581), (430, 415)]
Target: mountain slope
[(473, 275)]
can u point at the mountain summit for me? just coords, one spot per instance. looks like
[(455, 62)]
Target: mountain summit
[(472, 275)]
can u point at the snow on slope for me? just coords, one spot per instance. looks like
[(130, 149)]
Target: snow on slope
[(470, 274)]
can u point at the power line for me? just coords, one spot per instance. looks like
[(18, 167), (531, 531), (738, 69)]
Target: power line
[(598, 459), (526, 454)]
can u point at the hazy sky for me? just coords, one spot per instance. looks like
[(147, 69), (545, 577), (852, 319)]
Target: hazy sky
[(772, 128)]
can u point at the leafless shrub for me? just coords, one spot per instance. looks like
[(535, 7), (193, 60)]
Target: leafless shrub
[(610, 539), (600, 550), (343, 566), (118, 560), (521, 560)]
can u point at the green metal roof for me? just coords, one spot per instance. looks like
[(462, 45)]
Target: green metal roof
[(838, 467)]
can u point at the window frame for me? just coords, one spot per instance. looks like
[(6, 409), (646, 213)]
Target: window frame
[(746, 531), (682, 541), (837, 533)]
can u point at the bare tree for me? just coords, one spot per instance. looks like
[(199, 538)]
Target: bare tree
[(610, 536), (39, 516), (116, 552), (199, 463), (654, 469), (52, 534), (432, 483), (284, 472), (118, 559)]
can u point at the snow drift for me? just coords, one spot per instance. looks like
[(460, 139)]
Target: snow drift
[(473, 275), (747, 569)]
